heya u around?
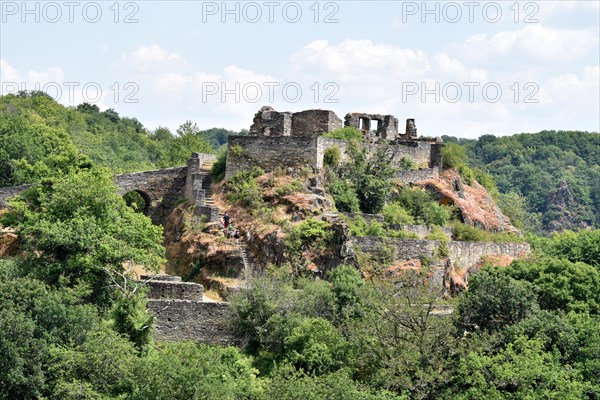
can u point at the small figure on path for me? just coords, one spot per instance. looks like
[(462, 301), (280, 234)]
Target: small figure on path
[(226, 220)]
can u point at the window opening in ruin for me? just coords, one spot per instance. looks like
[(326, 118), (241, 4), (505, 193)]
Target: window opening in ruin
[(364, 124), (374, 125)]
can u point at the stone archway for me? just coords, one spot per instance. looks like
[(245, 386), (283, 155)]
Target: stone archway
[(138, 200)]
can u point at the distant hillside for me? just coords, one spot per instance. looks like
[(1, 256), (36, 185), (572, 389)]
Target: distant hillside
[(38, 135), (558, 173)]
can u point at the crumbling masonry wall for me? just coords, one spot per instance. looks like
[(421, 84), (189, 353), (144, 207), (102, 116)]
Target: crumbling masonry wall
[(387, 125), (462, 254), (268, 122), (314, 122), (180, 314), (268, 152), (202, 322), (171, 287)]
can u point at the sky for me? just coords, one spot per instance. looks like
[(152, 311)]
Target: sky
[(460, 68)]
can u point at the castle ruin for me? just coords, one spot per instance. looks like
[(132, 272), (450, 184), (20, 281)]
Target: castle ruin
[(295, 140)]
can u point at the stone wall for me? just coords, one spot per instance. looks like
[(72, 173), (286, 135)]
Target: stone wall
[(298, 151), (422, 230), (325, 143), (421, 152), (8, 192), (314, 122), (269, 152), (268, 122), (405, 249), (464, 255), (176, 320), (161, 189), (161, 289), (387, 125), (180, 314), (417, 175)]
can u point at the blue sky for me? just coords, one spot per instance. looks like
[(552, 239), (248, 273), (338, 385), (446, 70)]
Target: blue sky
[(463, 68)]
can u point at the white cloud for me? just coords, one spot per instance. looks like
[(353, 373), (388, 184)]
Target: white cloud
[(355, 60), (51, 75), (573, 90), (152, 58), (8, 73), (533, 40)]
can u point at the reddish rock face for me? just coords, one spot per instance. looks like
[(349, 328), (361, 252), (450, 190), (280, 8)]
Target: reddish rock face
[(476, 205), (9, 243)]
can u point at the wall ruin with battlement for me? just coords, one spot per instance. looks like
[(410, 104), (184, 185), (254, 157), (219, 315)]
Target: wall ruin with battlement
[(268, 122), (293, 141)]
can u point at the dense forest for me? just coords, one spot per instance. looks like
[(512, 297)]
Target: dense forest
[(556, 173), (73, 325), (38, 135)]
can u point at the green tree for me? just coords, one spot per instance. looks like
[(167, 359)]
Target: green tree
[(187, 371), (289, 384), (583, 246), (401, 344), (76, 228), (494, 300), (561, 284), (522, 370), (370, 177), (33, 319), (104, 365), (316, 346)]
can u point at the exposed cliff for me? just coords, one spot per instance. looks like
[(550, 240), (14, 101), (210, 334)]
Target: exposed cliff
[(475, 204)]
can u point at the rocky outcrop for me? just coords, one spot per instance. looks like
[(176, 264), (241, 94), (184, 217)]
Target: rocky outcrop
[(9, 243), (475, 204), (564, 212)]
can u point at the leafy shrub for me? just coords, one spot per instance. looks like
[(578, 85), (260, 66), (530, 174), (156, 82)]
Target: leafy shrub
[(395, 214), (468, 233), (401, 234), (287, 188), (345, 133), (407, 164), (466, 173), (310, 233), (344, 195), (435, 214), (332, 156), (236, 150), (437, 234), (453, 155), (423, 208), (316, 346), (243, 187)]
